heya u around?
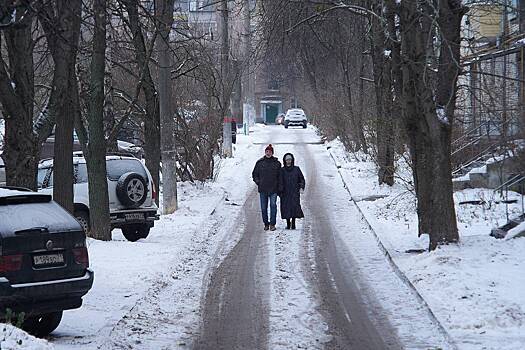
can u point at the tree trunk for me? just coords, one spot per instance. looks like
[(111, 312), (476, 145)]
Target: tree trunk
[(109, 106), (21, 151), (63, 44), (96, 155), (236, 103), (152, 119), (384, 101), (225, 82), (164, 16), (428, 117)]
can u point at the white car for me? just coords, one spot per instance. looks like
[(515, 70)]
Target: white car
[(131, 190), (295, 116)]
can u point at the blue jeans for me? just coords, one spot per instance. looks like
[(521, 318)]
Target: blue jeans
[(273, 207)]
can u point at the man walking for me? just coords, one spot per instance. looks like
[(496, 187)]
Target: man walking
[(266, 176)]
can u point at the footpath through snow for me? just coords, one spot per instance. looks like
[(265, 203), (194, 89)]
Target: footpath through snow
[(475, 288)]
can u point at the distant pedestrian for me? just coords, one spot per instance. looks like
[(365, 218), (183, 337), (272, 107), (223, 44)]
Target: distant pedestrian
[(291, 184), (266, 175)]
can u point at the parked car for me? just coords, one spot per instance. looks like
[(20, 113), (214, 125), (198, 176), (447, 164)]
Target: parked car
[(295, 116), (44, 263), (131, 191), (48, 147), (280, 119)]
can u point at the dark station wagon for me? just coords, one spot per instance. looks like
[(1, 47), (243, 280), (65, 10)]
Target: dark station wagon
[(44, 263)]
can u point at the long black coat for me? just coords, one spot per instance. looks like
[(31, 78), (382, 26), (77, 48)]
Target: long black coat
[(266, 174), (291, 182)]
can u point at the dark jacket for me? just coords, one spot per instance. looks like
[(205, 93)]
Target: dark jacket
[(266, 174), (291, 182)]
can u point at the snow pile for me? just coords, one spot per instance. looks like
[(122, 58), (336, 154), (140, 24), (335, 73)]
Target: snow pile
[(474, 287), (13, 338)]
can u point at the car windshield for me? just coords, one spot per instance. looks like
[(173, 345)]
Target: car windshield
[(117, 167)]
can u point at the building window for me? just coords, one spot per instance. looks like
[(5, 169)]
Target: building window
[(181, 6), (512, 10), (202, 5), (273, 85)]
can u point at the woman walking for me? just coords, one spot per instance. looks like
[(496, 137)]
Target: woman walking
[(291, 183)]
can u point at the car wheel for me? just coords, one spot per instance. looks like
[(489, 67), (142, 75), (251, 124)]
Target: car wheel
[(135, 232), (304, 126), (82, 217), (132, 190), (42, 325), (286, 125)]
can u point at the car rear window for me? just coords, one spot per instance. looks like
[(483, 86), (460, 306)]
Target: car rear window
[(117, 167), (24, 216)]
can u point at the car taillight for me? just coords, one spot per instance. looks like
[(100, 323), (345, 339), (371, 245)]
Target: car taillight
[(10, 263), (81, 256), (153, 191)]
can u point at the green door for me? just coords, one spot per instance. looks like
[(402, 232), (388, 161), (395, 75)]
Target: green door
[(271, 113)]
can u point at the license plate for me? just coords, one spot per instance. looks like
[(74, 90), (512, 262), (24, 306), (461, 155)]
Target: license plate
[(134, 216), (48, 259)]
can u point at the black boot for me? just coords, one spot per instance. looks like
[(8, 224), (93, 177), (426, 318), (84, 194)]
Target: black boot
[(293, 224), (288, 224)]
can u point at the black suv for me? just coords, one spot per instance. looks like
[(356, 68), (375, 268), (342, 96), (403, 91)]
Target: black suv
[(44, 264)]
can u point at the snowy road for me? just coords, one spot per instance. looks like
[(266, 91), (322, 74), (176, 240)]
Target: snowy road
[(313, 267), (227, 284)]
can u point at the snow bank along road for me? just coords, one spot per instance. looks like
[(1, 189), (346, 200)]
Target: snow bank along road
[(227, 284)]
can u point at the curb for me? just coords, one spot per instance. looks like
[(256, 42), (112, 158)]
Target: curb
[(390, 259)]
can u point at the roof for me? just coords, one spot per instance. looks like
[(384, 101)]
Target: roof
[(295, 110)]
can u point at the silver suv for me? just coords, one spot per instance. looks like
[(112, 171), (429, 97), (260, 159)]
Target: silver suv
[(131, 190), (295, 116)]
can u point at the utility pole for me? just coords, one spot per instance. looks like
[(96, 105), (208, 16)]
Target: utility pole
[(164, 17), (226, 83), (248, 81)]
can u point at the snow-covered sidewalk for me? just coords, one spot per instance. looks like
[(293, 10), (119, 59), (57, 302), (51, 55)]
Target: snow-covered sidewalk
[(180, 247), (474, 288)]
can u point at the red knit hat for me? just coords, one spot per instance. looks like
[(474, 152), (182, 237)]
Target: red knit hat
[(269, 147)]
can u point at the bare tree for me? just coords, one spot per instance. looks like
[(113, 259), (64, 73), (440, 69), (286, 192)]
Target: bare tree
[(381, 53), (225, 81), (428, 109), (21, 151), (152, 119), (61, 22), (94, 139)]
